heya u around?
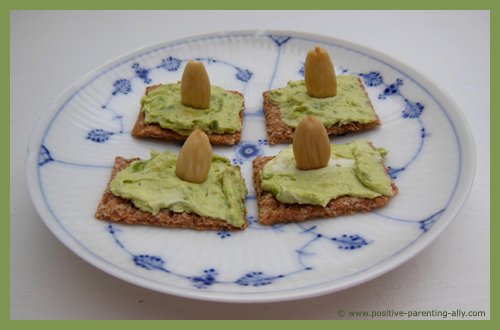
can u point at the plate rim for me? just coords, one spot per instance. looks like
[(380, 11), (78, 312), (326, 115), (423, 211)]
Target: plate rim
[(465, 177)]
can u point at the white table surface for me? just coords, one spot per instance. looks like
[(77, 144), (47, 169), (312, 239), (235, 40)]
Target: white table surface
[(50, 50)]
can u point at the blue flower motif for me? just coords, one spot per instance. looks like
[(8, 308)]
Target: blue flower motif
[(423, 133), (246, 150), (44, 157), (257, 279), (252, 220), (111, 229), (394, 171), (391, 89), (302, 70), (426, 224), (280, 40), (412, 110), (223, 234), (149, 262), (170, 63), (243, 75), (249, 150), (349, 242), (372, 78), (205, 280), (99, 135), (122, 86), (141, 73)]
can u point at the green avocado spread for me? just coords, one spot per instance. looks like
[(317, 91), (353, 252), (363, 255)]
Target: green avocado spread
[(152, 185), (351, 104), (355, 169), (163, 106)]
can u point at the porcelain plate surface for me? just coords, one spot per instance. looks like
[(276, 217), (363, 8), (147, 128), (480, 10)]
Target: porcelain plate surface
[(72, 150)]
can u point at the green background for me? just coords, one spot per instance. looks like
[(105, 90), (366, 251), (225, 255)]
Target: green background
[(8, 6)]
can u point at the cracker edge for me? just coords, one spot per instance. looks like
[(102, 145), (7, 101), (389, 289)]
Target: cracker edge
[(271, 211), (143, 130), (119, 210), (279, 132)]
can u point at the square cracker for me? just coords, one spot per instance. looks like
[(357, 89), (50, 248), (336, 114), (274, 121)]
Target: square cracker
[(143, 130), (272, 211), (279, 132), (116, 209)]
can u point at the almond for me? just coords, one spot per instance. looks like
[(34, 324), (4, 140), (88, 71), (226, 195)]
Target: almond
[(311, 145), (195, 86), (195, 158), (319, 74)]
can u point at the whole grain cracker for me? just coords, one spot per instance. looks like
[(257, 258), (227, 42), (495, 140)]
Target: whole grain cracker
[(143, 130), (271, 211), (279, 132), (116, 209)]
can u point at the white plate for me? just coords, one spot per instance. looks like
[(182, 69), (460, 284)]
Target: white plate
[(72, 149)]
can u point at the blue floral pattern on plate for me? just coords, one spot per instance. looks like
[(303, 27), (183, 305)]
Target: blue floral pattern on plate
[(306, 248), (248, 150)]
